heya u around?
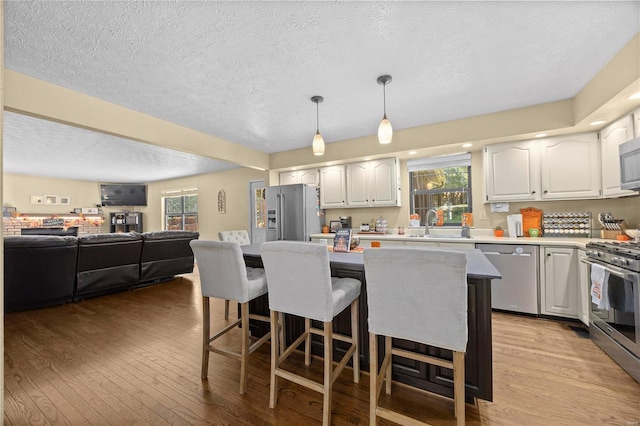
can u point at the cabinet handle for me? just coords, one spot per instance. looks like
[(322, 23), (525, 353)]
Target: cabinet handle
[(533, 192), (545, 191)]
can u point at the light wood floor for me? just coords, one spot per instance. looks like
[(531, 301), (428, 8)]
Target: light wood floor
[(134, 358)]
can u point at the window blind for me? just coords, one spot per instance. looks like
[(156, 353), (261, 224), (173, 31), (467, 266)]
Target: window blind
[(178, 192), (441, 162)]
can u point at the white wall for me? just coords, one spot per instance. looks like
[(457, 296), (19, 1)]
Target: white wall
[(235, 184)]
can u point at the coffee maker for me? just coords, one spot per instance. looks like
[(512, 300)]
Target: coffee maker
[(345, 222)]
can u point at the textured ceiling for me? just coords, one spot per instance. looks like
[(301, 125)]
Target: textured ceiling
[(84, 155), (244, 71)]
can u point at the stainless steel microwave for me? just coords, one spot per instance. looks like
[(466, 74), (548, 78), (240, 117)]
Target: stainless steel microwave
[(630, 164)]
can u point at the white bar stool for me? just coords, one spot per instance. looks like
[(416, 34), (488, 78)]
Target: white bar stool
[(224, 275), (300, 283), (240, 236), (418, 295)]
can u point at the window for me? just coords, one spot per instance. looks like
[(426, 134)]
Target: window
[(181, 210), (443, 184)]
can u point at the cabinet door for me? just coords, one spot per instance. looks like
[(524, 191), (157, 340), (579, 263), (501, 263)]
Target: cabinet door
[(383, 182), (584, 285), (288, 178), (308, 177), (512, 171), (560, 282), (636, 122), (610, 138), (357, 185), (332, 187), (570, 167)]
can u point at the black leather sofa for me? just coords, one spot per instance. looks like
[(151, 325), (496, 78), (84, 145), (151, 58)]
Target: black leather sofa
[(39, 271), (42, 271), (165, 254), (107, 263)]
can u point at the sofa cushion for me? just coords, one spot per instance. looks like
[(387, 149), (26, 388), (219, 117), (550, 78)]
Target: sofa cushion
[(39, 271), (107, 263), (166, 254)]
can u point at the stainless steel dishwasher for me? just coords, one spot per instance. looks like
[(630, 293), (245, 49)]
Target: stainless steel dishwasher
[(517, 291)]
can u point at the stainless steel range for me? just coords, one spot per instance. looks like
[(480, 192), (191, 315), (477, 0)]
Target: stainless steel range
[(614, 319)]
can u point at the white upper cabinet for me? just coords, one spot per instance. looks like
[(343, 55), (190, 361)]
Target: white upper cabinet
[(512, 171), (308, 176), (636, 122), (559, 168), (610, 138), (570, 167), (333, 188), (373, 183), (358, 185), (289, 178)]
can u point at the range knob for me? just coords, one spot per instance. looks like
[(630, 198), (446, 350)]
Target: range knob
[(594, 253), (620, 261)]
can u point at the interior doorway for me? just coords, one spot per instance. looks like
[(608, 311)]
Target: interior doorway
[(258, 216)]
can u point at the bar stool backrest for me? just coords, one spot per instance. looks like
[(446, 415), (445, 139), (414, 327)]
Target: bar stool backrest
[(418, 295)]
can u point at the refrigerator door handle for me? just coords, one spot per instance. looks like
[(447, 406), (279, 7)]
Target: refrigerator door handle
[(282, 218), (278, 230)]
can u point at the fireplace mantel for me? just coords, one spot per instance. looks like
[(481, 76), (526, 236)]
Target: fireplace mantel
[(87, 224)]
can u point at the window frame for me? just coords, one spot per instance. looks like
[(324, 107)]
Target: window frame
[(183, 214), (433, 163)]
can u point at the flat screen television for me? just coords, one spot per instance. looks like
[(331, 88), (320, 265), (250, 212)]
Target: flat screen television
[(123, 194)]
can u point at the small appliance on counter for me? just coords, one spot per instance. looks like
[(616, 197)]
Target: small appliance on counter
[(345, 222), (514, 225)]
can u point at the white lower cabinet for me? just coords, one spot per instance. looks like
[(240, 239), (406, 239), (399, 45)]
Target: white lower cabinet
[(559, 282), (584, 285)]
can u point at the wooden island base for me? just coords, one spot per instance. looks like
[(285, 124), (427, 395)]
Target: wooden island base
[(478, 359)]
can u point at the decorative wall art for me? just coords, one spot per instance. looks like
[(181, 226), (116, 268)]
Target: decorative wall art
[(222, 201)]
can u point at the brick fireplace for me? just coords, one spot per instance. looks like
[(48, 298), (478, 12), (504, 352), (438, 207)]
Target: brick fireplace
[(86, 224)]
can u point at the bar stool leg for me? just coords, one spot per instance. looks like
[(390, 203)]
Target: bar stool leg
[(275, 359), (387, 352), (206, 329), (244, 352), (354, 336), (307, 342), (282, 331), (226, 309), (328, 373), (458, 386), (373, 378)]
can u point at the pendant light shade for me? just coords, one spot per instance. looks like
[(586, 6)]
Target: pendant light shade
[(385, 131), (318, 140)]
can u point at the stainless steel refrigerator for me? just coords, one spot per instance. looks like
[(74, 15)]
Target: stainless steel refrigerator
[(293, 212)]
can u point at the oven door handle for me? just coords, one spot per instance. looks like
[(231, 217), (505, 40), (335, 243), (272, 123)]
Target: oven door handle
[(609, 270)]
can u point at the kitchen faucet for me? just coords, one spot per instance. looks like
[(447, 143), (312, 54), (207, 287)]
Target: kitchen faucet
[(426, 222)]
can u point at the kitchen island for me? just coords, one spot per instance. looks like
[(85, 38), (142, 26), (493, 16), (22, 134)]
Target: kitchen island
[(478, 360)]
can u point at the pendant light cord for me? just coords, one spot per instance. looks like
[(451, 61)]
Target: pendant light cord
[(384, 99), (317, 120)]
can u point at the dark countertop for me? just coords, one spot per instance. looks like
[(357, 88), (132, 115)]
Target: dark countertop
[(478, 266)]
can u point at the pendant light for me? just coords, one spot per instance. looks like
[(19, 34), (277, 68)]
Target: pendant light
[(385, 131), (318, 140)]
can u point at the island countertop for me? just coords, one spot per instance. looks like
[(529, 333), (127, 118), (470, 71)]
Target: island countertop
[(451, 236)]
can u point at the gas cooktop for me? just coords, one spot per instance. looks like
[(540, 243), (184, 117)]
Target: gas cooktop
[(627, 247), (625, 254)]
